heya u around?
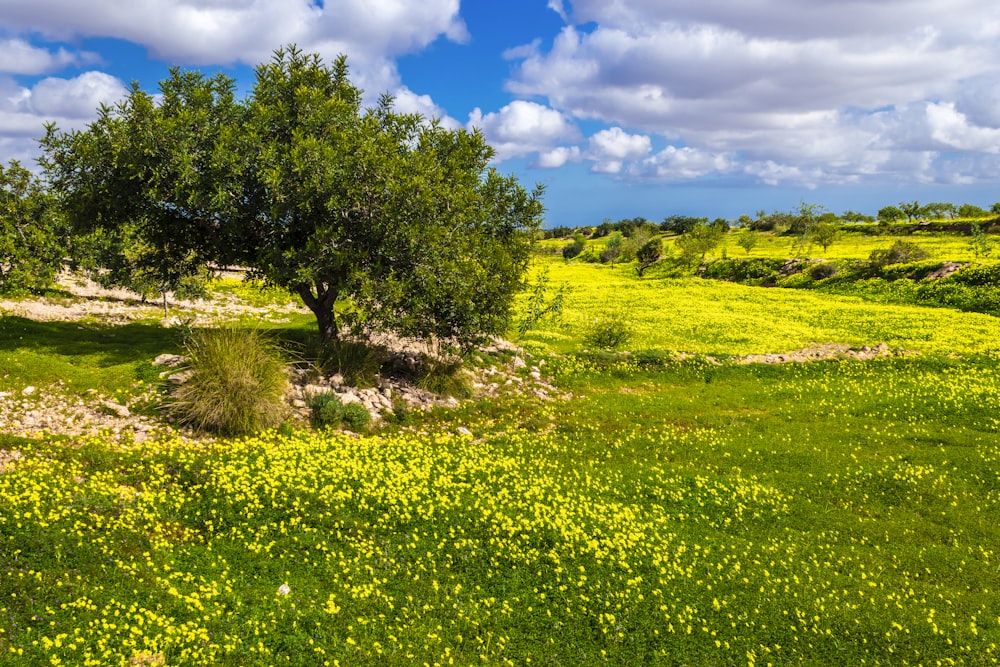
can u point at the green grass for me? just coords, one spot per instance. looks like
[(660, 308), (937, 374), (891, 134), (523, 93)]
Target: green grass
[(665, 512)]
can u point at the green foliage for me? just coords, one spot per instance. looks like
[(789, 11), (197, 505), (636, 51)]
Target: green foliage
[(822, 270), (898, 253), (541, 305), (742, 270), (612, 248), (575, 248), (747, 239), (149, 187), (698, 241), (31, 243), (648, 254), (980, 243), (327, 409), (822, 233), (608, 332), (237, 382), (890, 214), (403, 219)]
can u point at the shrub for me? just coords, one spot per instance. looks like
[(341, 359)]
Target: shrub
[(355, 416), (359, 363), (327, 410), (900, 252), (237, 383), (822, 271), (608, 332)]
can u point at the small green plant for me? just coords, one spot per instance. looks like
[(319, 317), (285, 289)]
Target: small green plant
[(980, 244), (327, 410), (237, 382), (822, 270), (900, 252), (355, 416), (359, 363), (608, 332), (541, 305)]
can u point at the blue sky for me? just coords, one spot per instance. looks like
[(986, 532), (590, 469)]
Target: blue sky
[(622, 109)]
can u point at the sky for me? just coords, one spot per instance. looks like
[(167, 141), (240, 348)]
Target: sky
[(620, 108)]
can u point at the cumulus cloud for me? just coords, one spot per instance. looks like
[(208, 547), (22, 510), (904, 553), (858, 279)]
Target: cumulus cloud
[(795, 91), (611, 148), (70, 103), (521, 128), (19, 57)]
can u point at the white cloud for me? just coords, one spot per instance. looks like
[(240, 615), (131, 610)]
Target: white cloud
[(611, 148), (77, 98), (557, 157), (19, 57), (522, 128), (198, 32), (803, 91), (409, 102)]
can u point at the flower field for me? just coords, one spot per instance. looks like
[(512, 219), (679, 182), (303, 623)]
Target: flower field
[(668, 510)]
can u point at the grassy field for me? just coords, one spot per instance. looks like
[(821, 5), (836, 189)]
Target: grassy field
[(668, 509)]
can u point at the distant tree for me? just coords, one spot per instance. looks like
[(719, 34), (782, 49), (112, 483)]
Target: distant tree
[(804, 218), (970, 211), (32, 239), (612, 249), (995, 209), (912, 210), (823, 233), (748, 239), (575, 248), (745, 221), (632, 244), (699, 241), (648, 255), (679, 224), (890, 214), (855, 217), (938, 210)]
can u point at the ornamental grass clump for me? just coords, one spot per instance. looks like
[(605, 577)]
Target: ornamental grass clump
[(237, 383)]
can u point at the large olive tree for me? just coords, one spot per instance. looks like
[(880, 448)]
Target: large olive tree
[(402, 219)]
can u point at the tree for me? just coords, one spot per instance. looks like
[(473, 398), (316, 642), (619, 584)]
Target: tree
[(912, 210), (399, 218), (648, 255), (823, 233), (971, 211), (148, 187), (854, 216), (612, 249), (699, 241), (890, 214), (748, 239), (31, 238)]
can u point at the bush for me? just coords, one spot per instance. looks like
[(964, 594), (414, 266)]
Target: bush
[(327, 410), (608, 332), (900, 252), (237, 383), (355, 416), (822, 271)]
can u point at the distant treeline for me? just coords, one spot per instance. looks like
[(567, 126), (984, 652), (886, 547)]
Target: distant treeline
[(905, 217)]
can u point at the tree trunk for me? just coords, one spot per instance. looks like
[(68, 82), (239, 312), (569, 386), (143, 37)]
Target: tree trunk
[(321, 304)]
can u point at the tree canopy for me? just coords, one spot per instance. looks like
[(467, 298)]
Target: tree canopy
[(395, 215)]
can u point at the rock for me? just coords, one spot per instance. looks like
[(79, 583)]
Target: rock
[(518, 363), (115, 408), (535, 375), (461, 430), (299, 403), (348, 397), (180, 378), (169, 360), (28, 391)]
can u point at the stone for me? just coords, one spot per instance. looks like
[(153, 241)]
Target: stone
[(461, 430), (119, 410), (180, 378), (169, 360), (28, 391), (518, 363)]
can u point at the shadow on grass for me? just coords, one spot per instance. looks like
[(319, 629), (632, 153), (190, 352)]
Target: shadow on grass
[(108, 345)]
